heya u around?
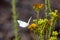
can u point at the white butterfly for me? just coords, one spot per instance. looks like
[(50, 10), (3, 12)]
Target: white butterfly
[(24, 24)]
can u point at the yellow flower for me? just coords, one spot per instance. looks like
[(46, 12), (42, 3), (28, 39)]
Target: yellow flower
[(53, 38), (56, 11), (55, 33), (33, 25), (38, 6), (54, 14), (42, 21)]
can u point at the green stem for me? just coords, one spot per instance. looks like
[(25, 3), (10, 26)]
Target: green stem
[(42, 31), (15, 19), (49, 6), (50, 29), (41, 36), (46, 8), (46, 36), (37, 16), (34, 35), (46, 14)]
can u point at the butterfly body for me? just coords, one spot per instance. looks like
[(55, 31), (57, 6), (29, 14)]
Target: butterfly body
[(24, 24)]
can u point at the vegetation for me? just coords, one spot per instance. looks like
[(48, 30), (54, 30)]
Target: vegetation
[(44, 28), (15, 20)]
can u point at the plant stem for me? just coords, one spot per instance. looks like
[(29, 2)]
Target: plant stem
[(50, 29), (46, 36), (46, 14), (34, 35), (41, 36), (46, 8), (49, 6), (15, 19), (37, 16)]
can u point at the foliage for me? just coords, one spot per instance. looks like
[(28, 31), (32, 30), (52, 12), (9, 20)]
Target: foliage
[(15, 20), (44, 27)]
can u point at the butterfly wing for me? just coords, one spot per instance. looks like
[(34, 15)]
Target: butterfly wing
[(22, 23)]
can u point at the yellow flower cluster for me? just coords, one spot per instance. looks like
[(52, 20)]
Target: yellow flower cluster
[(33, 25), (55, 33), (53, 38), (38, 6), (53, 14), (42, 21)]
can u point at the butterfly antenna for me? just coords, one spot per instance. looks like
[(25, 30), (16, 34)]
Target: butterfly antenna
[(29, 19)]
